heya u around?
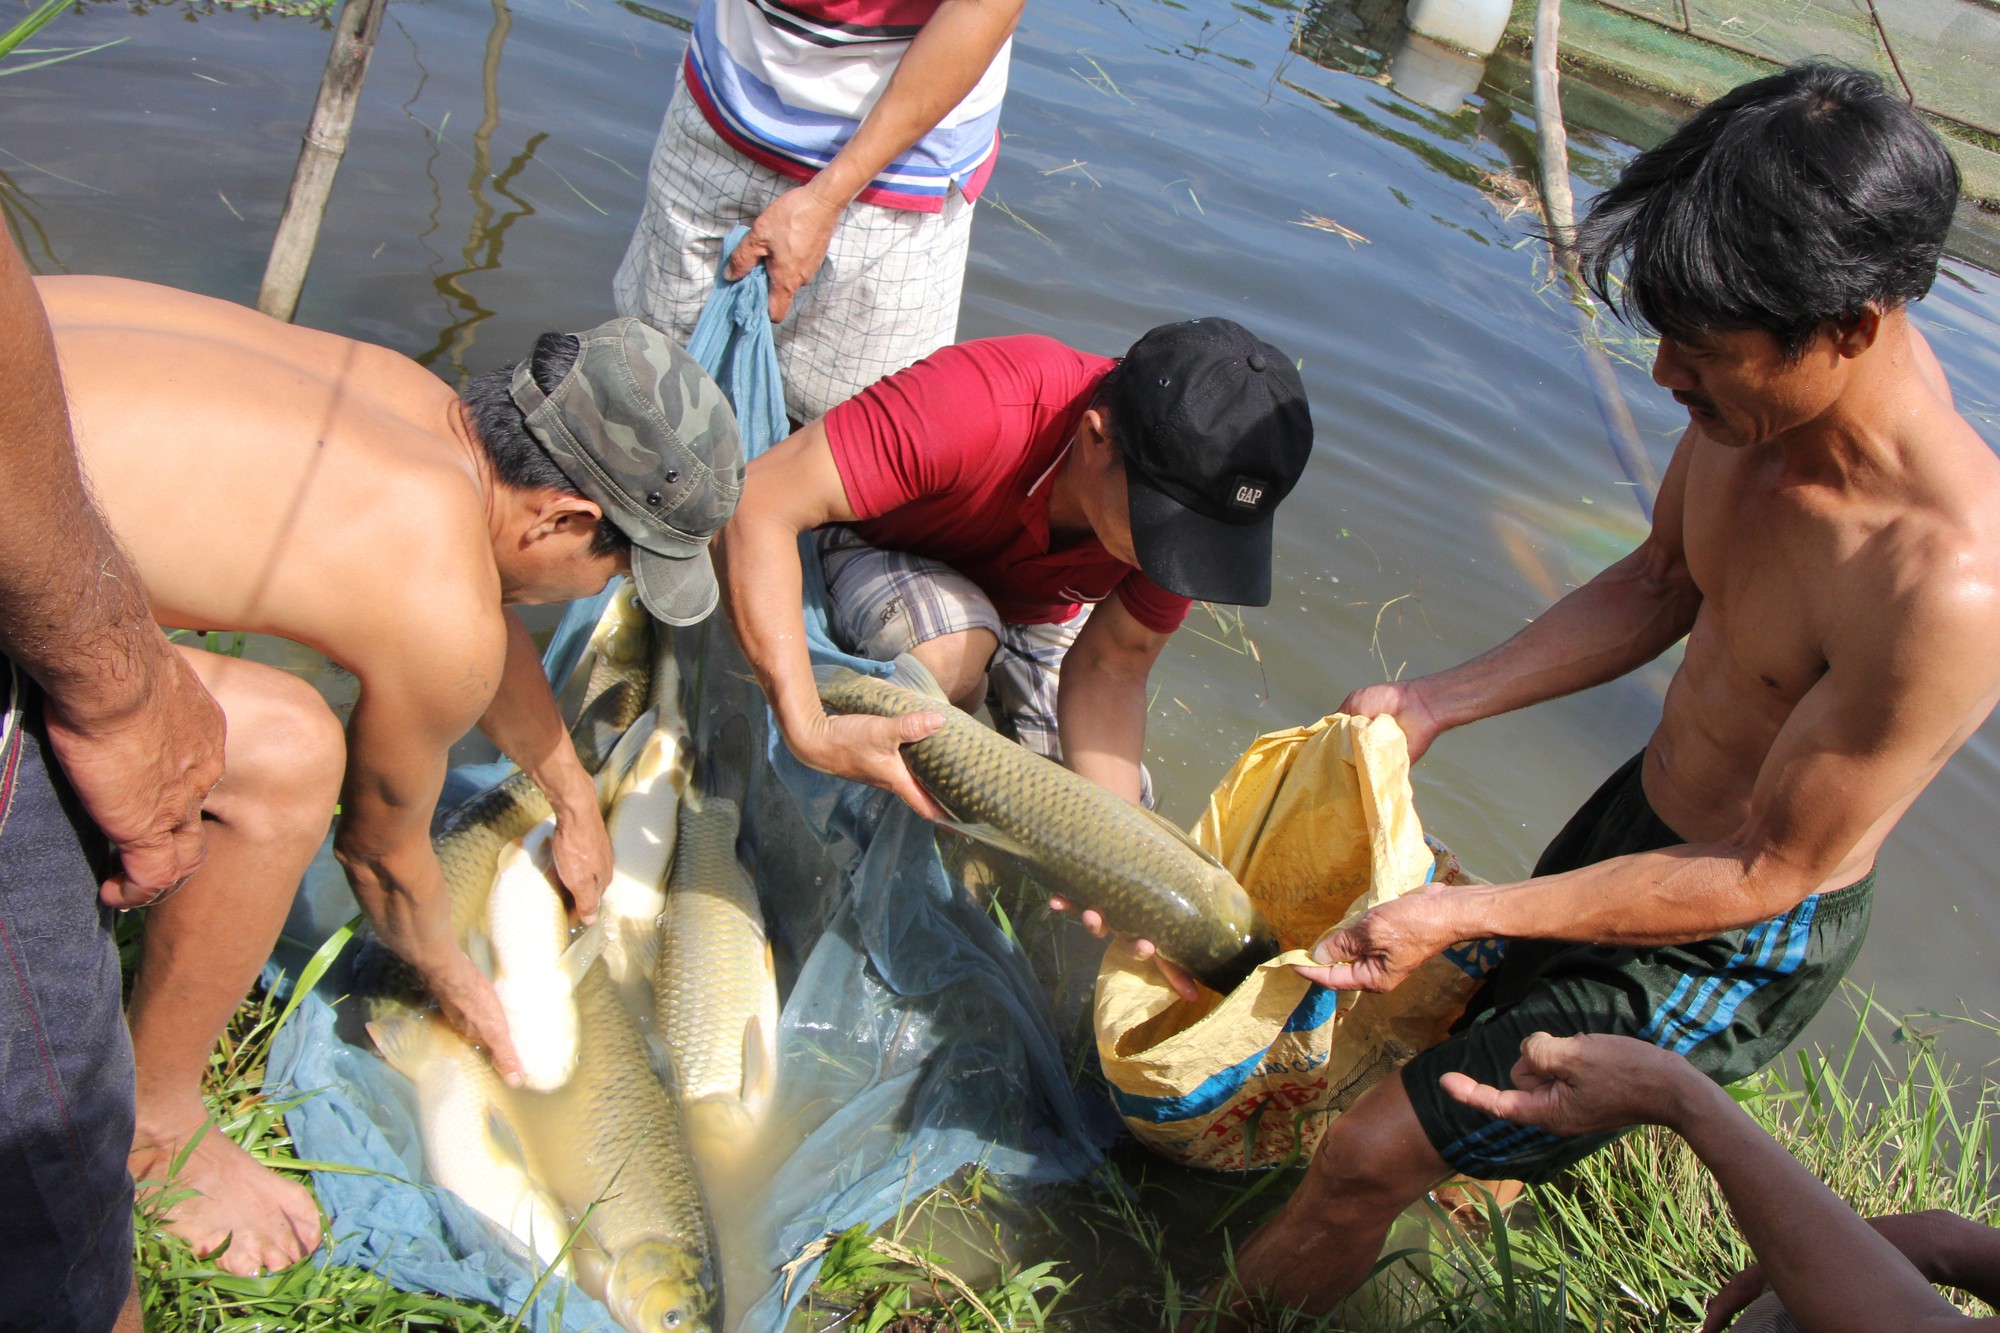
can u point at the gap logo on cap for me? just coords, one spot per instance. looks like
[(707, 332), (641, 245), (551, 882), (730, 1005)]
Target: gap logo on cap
[(1249, 494)]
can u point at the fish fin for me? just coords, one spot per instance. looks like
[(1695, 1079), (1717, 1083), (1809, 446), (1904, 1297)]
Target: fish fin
[(915, 676), (760, 1062), (641, 939), (618, 762), (480, 950), (505, 1138), (998, 839), (1181, 836), (595, 732), (403, 1037), (581, 953), (831, 673), (661, 1058)]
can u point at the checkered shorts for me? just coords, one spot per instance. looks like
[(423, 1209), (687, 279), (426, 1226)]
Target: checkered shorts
[(887, 602), (887, 295)]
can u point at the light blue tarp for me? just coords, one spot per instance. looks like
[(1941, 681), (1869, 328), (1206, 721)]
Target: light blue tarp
[(915, 1039)]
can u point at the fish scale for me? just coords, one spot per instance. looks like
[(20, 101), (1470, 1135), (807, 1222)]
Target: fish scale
[(1094, 848), (610, 1141), (714, 975)]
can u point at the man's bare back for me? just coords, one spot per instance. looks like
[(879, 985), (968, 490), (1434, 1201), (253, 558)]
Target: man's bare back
[(242, 461)]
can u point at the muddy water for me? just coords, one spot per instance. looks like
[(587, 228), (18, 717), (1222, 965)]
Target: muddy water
[(1163, 159)]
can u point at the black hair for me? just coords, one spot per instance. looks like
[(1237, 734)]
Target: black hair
[(1785, 203), (1105, 399), (518, 461)]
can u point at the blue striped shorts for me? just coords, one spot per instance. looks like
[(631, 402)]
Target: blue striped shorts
[(1730, 1004)]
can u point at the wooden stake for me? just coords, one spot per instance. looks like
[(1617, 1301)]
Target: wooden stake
[(1559, 216), (319, 157)]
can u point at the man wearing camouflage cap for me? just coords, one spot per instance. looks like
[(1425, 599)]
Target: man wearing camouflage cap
[(283, 481)]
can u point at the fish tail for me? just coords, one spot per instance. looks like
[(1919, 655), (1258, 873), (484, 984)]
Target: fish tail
[(915, 676)]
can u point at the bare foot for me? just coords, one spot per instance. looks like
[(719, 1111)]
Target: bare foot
[(270, 1222)]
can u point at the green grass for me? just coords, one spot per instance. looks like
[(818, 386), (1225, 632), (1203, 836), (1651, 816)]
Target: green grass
[(1636, 1239)]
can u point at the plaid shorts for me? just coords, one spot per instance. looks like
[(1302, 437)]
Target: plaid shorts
[(887, 602), (886, 297)]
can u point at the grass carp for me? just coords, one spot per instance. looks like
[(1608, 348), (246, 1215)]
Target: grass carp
[(643, 825), (716, 991), (609, 1143), (1140, 873), (470, 1147), (527, 932)]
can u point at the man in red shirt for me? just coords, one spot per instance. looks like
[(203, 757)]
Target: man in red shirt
[(1031, 522)]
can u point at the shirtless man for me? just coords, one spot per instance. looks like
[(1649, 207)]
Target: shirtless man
[(1827, 538), (284, 481)]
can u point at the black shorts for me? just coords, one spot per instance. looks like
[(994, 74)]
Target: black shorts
[(1730, 1004), (65, 1056)]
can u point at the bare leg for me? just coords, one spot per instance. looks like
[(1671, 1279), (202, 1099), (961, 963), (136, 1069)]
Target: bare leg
[(959, 663), (1374, 1162), (204, 946), (131, 1317)]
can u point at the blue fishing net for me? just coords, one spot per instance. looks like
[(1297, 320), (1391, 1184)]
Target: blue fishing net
[(915, 1041), (915, 1038)]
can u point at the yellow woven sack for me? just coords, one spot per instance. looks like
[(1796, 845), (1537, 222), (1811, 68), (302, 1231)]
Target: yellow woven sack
[(1318, 824)]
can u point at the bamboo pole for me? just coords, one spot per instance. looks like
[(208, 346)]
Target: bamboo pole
[(1559, 214), (319, 156)]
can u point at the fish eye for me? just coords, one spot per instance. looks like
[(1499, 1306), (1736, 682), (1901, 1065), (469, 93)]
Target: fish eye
[(672, 1319)]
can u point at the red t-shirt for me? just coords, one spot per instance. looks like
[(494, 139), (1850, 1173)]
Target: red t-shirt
[(954, 459)]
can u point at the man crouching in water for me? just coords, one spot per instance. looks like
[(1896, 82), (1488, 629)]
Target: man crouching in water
[(1828, 540), (284, 481)]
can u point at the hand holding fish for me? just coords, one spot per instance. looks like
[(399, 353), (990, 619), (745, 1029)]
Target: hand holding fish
[(1175, 975), (1378, 950), (469, 1004), (869, 749), (1403, 701), (581, 851), (1591, 1084)]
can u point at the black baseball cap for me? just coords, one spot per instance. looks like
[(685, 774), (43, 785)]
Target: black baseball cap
[(1215, 431)]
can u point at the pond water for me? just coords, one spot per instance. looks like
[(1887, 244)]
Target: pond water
[(1162, 159)]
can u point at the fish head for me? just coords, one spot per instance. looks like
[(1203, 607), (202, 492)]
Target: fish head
[(660, 1286)]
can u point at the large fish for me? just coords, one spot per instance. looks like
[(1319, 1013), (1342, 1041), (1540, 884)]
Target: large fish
[(643, 823), (619, 675), (716, 991), (609, 1144), (534, 969), (1140, 873), (470, 1146)]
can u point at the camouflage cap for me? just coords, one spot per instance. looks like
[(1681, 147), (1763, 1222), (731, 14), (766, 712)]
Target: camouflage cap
[(639, 428)]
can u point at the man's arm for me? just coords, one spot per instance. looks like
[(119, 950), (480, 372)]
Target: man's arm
[(136, 734), (1101, 697), (1834, 1272), (787, 492), (942, 65), (1904, 692), (524, 722), (413, 705), (1949, 1250), (1619, 621)]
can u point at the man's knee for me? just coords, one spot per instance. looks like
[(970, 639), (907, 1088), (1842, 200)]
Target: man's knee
[(285, 751), (1375, 1156), (959, 661)]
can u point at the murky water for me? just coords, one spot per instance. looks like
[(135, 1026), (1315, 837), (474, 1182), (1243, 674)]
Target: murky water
[(1163, 159)]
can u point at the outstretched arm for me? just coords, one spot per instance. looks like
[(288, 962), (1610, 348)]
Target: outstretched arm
[(788, 492), (1834, 1272), (1855, 750), (413, 706), (1622, 619), (524, 722), (942, 65), (1101, 697), (136, 734)]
